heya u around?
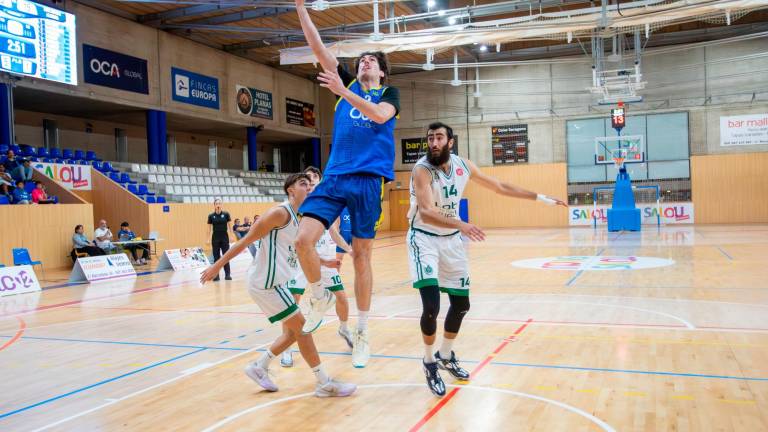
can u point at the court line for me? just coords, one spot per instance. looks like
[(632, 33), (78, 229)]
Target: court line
[(730, 258), (603, 425), (110, 342), (22, 327), (100, 383), (447, 398)]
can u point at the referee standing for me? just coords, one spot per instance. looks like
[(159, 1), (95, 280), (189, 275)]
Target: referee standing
[(219, 224)]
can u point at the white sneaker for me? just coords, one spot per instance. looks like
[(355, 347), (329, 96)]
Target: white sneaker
[(318, 308), (361, 352), (335, 389), (261, 377), (347, 336), (286, 359)]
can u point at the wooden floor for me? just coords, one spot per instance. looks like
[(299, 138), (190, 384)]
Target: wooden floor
[(677, 347)]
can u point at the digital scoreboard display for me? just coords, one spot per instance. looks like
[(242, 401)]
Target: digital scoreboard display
[(37, 41), (617, 118)]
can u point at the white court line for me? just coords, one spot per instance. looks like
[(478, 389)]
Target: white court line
[(653, 312), (603, 425), (147, 389)]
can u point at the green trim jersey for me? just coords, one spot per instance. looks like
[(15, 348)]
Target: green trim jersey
[(276, 262), (447, 190)]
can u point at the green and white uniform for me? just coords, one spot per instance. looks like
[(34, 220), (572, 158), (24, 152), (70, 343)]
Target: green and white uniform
[(326, 249), (436, 254), (275, 264)]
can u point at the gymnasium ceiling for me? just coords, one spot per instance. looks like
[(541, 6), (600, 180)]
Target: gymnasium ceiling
[(257, 29)]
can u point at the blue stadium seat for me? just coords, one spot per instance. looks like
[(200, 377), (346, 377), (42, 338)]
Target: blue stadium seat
[(48, 160), (96, 165), (114, 177), (91, 156), (144, 191), (150, 199), (29, 186), (125, 178), (4, 148), (67, 154), (42, 152), (2, 159), (16, 149), (106, 167), (32, 159), (161, 200), (84, 162), (58, 160), (133, 189), (54, 152), (4, 200), (27, 151), (21, 257), (79, 155)]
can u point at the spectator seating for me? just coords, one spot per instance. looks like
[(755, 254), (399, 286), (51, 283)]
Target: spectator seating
[(4, 200), (21, 257)]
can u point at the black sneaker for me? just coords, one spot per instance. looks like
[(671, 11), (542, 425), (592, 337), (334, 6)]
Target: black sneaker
[(227, 277), (434, 382), (452, 366), (216, 279)]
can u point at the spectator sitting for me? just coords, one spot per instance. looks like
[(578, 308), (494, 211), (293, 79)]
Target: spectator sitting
[(11, 162), (125, 234), (40, 197), (236, 229), (80, 244), (103, 237), (242, 230), (20, 195), (263, 167), (6, 182), (23, 171)]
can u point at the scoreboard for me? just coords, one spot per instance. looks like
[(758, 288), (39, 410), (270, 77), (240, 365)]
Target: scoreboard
[(37, 41)]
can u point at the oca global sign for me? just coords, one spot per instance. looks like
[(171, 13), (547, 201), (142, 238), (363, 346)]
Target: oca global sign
[(111, 69)]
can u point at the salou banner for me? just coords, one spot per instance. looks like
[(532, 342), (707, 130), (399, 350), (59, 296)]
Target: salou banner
[(73, 177), (671, 213), (183, 259), (99, 268), (18, 280), (744, 130)]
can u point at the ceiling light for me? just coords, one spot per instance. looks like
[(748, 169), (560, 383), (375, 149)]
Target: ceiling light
[(431, 3), (483, 48), (452, 20)]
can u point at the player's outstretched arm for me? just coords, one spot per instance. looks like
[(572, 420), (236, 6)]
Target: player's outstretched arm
[(273, 218), (324, 56), (429, 213), (508, 189)]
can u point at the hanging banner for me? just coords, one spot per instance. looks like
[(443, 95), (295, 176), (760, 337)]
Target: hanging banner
[(18, 280), (112, 69), (671, 213), (99, 268), (195, 89), (73, 177), (299, 113), (744, 130), (412, 149), (183, 259), (253, 102)]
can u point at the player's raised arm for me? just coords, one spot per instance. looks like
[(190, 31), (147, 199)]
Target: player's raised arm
[(274, 218), (508, 189), (324, 56), (429, 212)]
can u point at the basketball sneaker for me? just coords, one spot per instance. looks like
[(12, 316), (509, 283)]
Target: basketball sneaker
[(452, 366), (361, 351), (286, 359), (334, 389), (347, 336), (318, 308), (261, 377), (434, 382)]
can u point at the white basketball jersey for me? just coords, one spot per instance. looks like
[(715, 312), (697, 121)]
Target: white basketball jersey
[(447, 190), (326, 247), (276, 262)]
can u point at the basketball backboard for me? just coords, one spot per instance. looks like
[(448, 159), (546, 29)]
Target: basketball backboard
[(619, 150)]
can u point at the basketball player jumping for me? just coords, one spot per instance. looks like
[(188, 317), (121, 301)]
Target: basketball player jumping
[(361, 161), (275, 264), (436, 254)]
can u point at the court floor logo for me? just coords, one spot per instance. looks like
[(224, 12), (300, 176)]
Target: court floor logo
[(590, 262)]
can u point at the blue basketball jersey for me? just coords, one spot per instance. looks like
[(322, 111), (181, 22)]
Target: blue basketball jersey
[(360, 145)]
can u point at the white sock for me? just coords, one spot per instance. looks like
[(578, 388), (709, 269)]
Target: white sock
[(446, 347), (343, 326), (265, 359), (429, 354), (318, 291), (320, 374), (362, 320)]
